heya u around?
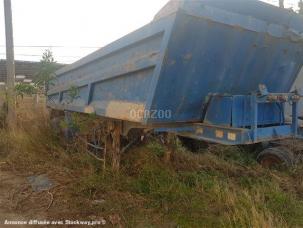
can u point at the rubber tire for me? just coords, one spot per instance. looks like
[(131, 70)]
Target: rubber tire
[(276, 156)]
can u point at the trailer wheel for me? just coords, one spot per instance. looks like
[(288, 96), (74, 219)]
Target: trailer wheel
[(192, 144), (276, 156)]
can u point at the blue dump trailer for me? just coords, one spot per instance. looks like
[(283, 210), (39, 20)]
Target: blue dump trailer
[(213, 70)]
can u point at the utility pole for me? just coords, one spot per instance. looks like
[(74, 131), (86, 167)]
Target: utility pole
[(300, 5), (10, 63)]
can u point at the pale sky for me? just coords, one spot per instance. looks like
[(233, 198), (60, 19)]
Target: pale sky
[(77, 26)]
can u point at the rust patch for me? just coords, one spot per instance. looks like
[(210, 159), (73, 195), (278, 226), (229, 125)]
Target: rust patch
[(89, 109), (232, 136), (219, 134), (125, 111), (199, 131)]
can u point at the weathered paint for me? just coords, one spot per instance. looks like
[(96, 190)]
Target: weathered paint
[(125, 111), (199, 131), (219, 134), (191, 50), (232, 136), (89, 109), (297, 85)]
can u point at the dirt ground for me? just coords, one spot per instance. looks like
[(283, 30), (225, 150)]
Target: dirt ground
[(17, 200), (20, 203)]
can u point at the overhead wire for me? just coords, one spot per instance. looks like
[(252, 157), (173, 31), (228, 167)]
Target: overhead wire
[(53, 46), (36, 55)]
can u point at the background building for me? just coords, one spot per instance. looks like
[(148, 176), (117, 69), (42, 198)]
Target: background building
[(25, 71)]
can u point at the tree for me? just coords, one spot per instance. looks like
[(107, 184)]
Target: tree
[(22, 89), (46, 71)]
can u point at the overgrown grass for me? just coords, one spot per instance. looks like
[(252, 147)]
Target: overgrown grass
[(220, 187)]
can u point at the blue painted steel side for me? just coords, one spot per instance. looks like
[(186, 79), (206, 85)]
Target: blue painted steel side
[(219, 111), (207, 57), (233, 111), (175, 62), (231, 136), (259, 9), (236, 136), (199, 50), (115, 80)]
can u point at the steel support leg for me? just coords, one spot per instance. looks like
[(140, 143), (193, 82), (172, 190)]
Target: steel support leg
[(254, 117), (295, 121)]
